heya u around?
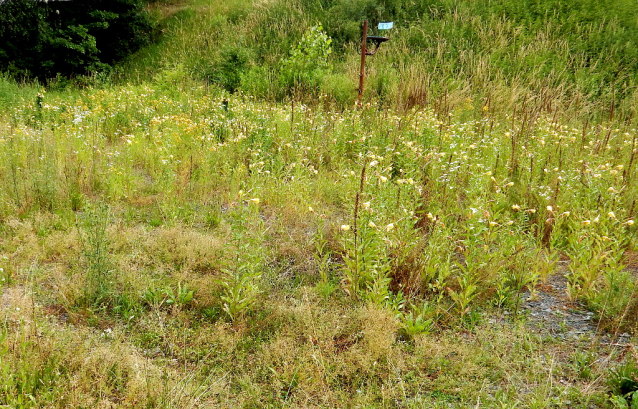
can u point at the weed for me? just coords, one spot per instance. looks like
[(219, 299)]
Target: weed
[(180, 297), (417, 321), (624, 382), (100, 278), (240, 283)]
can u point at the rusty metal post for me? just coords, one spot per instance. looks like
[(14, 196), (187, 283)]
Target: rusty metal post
[(362, 71)]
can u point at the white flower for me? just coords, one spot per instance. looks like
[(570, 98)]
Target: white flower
[(389, 227), (345, 227)]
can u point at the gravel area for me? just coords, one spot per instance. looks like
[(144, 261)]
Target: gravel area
[(550, 310)]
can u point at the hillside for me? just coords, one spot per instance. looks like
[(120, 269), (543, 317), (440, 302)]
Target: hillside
[(568, 57), (218, 225)]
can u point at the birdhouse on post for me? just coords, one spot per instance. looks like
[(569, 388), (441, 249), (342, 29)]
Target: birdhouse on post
[(377, 41)]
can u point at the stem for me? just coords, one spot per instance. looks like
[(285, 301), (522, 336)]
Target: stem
[(355, 229)]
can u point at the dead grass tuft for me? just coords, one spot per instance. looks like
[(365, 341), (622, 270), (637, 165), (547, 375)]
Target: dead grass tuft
[(185, 248)]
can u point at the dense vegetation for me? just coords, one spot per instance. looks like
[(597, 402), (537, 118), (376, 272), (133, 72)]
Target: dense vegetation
[(216, 225), (43, 40)]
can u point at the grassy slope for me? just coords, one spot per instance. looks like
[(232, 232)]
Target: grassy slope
[(569, 57), (116, 202)]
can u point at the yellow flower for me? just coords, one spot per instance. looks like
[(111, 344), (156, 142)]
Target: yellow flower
[(255, 200), (611, 215), (345, 227), (516, 208), (389, 227), (629, 222), (372, 225), (550, 209), (310, 209), (586, 222)]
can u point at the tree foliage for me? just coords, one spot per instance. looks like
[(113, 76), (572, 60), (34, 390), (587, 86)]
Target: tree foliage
[(43, 39)]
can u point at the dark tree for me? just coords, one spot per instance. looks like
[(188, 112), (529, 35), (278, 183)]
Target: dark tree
[(45, 38)]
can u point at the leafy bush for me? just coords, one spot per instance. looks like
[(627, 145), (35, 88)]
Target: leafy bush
[(308, 61)]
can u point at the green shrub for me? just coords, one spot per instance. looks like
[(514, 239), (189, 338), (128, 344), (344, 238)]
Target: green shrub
[(232, 66), (308, 61)]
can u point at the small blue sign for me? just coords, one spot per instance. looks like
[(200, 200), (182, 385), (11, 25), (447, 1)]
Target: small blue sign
[(386, 26)]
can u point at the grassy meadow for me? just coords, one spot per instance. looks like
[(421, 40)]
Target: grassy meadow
[(247, 237)]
